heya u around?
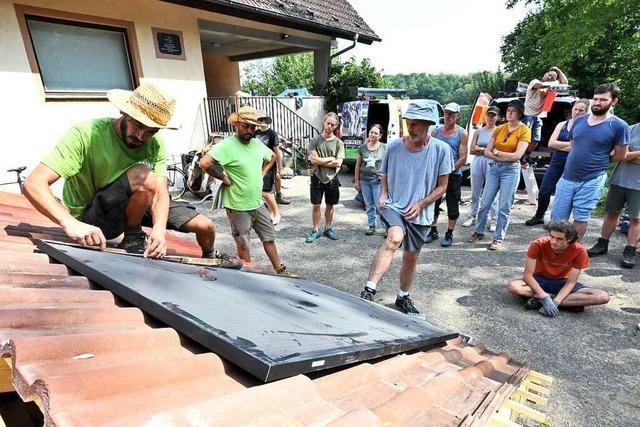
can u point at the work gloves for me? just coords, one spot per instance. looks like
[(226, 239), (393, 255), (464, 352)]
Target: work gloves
[(549, 307)]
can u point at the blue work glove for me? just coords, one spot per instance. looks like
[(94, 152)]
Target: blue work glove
[(549, 307)]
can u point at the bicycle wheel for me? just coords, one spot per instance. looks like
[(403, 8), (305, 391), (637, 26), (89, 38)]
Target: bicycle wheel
[(198, 182), (175, 181)]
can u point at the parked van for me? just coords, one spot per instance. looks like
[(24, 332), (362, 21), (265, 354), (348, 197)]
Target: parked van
[(358, 116)]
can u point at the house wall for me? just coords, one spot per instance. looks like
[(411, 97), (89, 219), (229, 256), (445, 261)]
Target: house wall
[(32, 125), (221, 75)]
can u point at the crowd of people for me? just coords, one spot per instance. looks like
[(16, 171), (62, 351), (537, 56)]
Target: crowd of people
[(115, 182)]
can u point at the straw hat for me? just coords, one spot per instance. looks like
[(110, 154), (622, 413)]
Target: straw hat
[(246, 114), (147, 104)]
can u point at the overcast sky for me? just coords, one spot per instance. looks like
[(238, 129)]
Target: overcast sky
[(433, 36)]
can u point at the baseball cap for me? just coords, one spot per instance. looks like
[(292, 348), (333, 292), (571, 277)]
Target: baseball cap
[(453, 107)]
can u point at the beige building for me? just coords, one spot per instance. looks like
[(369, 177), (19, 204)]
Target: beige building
[(59, 57)]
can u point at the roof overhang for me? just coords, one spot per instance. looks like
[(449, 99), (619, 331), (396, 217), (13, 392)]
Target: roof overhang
[(268, 17)]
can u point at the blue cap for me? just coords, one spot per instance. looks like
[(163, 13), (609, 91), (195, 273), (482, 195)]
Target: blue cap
[(422, 110)]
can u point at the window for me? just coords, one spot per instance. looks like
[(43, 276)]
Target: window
[(80, 57)]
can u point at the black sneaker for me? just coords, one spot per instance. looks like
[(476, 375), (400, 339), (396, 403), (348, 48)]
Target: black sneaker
[(432, 236), (368, 294), (533, 304), (535, 220), (405, 304), (226, 260), (134, 243), (600, 248), (628, 257), (281, 200)]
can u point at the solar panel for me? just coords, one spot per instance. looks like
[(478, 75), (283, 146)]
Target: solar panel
[(271, 326)]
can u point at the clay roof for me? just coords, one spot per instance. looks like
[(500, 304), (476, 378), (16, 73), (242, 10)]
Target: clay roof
[(89, 359), (332, 17)]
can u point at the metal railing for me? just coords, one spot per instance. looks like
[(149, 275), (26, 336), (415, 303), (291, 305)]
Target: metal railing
[(289, 125)]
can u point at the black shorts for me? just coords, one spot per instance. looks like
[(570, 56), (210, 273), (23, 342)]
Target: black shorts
[(452, 196), (107, 210), (330, 190), (268, 180), (180, 213)]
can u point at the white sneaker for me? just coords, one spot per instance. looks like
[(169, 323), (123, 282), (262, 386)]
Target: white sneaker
[(492, 226), (276, 220), (469, 221)]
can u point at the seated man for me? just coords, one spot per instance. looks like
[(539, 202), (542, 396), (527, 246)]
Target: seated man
[(551, 273), (114, 172)]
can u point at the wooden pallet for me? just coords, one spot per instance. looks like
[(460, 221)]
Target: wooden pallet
[(528, 400)]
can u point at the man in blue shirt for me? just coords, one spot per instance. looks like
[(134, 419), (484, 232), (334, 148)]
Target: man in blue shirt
[(593, 138), (624, 189)]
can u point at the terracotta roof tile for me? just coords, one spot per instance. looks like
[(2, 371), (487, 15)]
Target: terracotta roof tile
[(90, 361)]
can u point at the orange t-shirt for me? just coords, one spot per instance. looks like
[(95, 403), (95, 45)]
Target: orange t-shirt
[(553, 266), (506, 141)]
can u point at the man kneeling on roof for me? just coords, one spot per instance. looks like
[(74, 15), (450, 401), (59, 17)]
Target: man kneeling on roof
[(550, 279), (115, 173)]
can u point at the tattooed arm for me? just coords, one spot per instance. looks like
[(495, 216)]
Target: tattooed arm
[(213, 168)]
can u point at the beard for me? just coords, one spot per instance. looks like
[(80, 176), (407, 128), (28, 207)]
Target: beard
[(600, 110)]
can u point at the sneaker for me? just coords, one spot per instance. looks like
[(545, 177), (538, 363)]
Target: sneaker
[(368, 293), (281, 200), (600, 248), (371, 231), (448, 240), (134, 243), (492, 227), (469, 221), (405, 304), (496, 245), (226, 260), (281, 270), (475, 237), (313, 236), (533, 304), (328, 232), (433, 235), (534, 220), (276, 219), (628, 257)]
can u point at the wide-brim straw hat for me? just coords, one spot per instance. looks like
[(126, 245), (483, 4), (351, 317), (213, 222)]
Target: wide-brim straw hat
[(147, 104), (246, 114)]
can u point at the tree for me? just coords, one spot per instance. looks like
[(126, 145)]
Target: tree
[(592, 41), (270, 78), (346, 75)]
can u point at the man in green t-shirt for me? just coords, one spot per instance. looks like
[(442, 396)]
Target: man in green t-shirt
[(240, 162), (115, 171)]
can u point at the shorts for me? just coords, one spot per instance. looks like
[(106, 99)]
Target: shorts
[(242, 222), (553, 286), (535, 124), (414, 234), (107, 210), (330, 190), (180, 213), (620, 196), (452, 196), (268, 180), (578, 197)]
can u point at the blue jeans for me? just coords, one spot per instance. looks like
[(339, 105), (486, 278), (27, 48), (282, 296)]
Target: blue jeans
[(579, 197), (371, 193), (503, 177), (549, 181), (479, 173), (535, 124)]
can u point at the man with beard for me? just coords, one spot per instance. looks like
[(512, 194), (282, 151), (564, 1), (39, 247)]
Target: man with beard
[(592, 137), (415, 174), (115, 172), (241, 162)]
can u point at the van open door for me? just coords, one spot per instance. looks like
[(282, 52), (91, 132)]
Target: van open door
[(395, 114)]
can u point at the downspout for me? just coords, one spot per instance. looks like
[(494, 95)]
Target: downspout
[(346, 49)]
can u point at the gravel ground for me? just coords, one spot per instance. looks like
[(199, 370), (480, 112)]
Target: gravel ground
[(593, 356)]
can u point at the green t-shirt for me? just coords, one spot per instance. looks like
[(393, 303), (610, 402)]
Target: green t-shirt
[(91, 156), (243, 165), (326, 148)]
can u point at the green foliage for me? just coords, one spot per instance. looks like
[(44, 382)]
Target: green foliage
[(592, 41), (288, 71), (349, 74)]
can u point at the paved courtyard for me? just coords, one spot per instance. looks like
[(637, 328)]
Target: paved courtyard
[(593, 356)]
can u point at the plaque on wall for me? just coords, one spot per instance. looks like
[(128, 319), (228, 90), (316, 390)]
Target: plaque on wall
[(169, 44)]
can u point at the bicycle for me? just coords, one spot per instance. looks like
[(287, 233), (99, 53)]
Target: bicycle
[(175, 181), (19, 180)]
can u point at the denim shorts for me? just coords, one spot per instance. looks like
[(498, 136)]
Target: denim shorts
[(553, 286), (578, 197), (535, 124)]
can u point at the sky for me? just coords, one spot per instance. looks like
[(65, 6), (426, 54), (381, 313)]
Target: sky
[(435, 36)]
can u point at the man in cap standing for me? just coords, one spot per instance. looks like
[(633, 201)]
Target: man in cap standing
[(115, 171), (416, 171), (456, 137), (593, 137), (270, 139), (241, 162)]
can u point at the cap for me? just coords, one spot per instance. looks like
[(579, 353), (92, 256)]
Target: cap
[(493, 110), (453, 107)]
